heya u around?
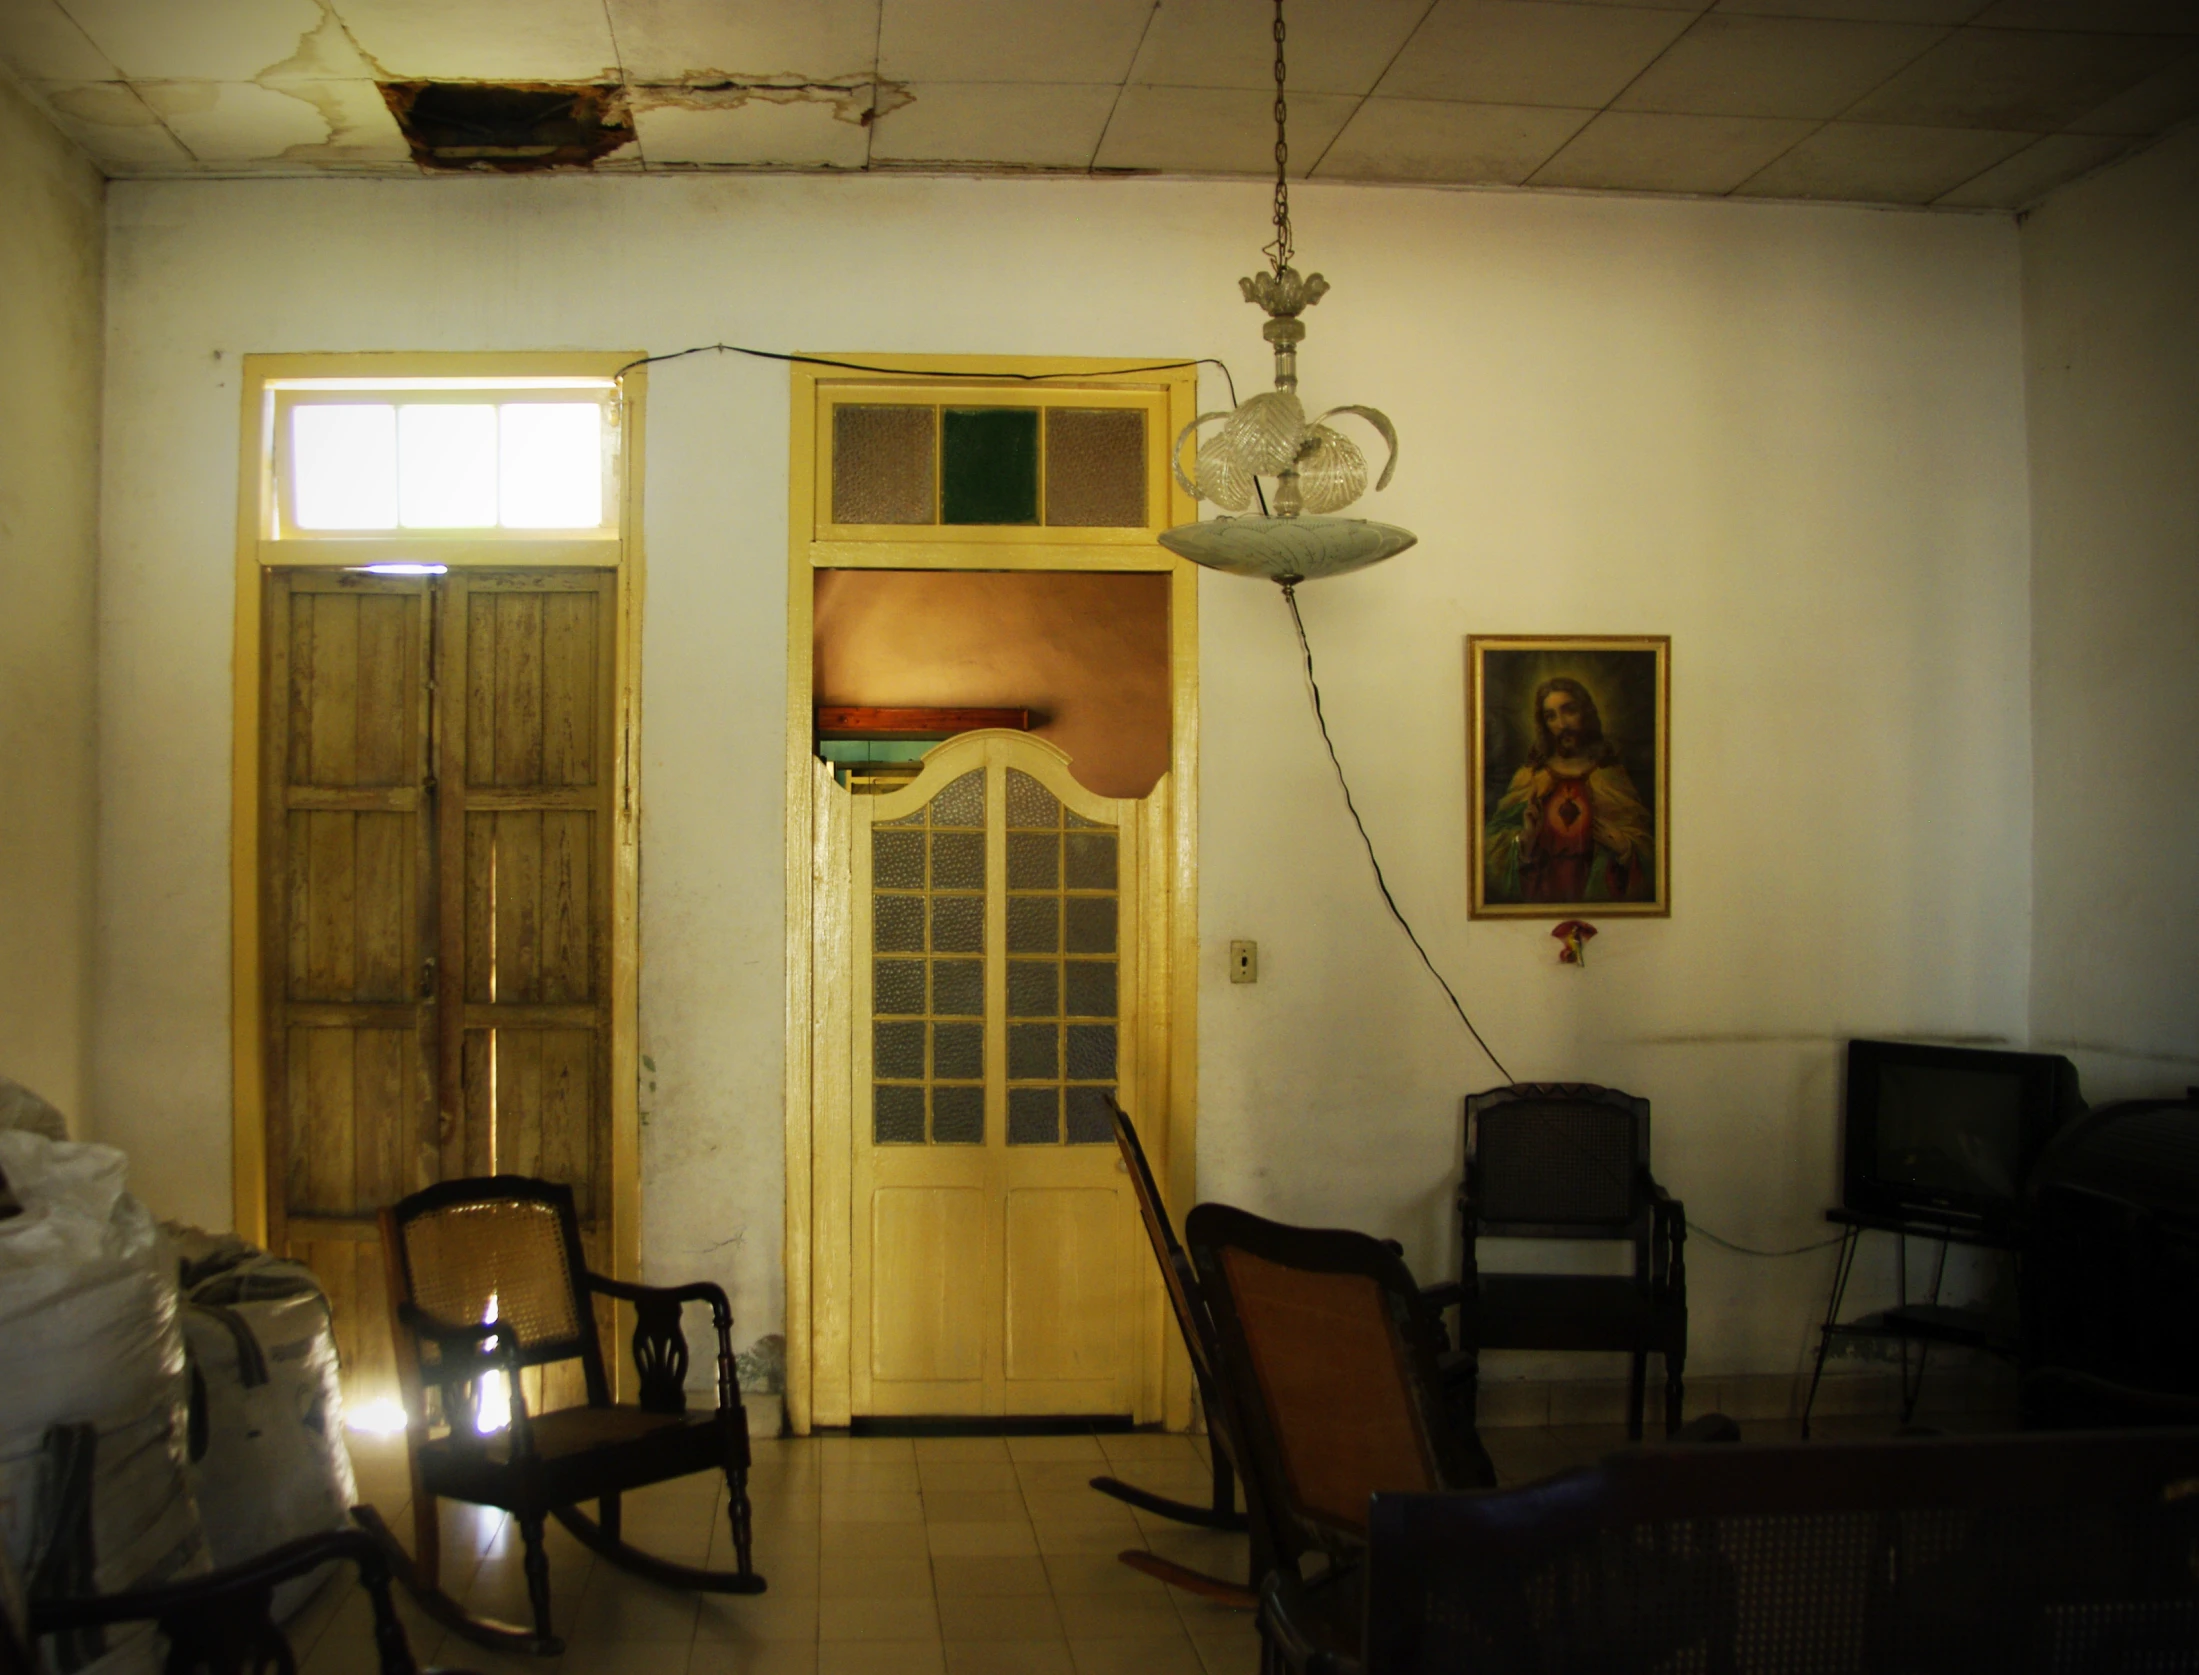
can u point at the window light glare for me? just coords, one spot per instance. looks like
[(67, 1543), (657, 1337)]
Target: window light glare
[(385, 1418), (343, 465), (402, 569), (446, 477), (550, 464)]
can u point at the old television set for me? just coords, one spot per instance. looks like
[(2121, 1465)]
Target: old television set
[(1949, 1134)]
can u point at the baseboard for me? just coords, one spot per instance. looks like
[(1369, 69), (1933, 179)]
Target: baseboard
[(1759, 1396)]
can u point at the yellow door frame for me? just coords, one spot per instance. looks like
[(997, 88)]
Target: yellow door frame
[(260, 546), (818, 1141)]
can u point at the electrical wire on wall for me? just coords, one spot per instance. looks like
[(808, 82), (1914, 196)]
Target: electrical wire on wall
[(919, 371)]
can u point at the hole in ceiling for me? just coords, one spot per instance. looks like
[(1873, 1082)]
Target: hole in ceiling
[(511, 127)]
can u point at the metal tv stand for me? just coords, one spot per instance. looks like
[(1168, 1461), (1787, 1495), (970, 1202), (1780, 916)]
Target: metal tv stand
[(1923, 1324)]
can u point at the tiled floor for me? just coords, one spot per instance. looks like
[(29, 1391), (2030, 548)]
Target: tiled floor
[(886, 1556)]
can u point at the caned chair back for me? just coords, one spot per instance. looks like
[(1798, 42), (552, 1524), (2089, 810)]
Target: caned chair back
[(501, 1248), (1558, 1160), (1331, 1351), (1174, 1260)]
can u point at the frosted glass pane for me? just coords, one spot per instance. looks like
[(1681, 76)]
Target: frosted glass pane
[(1088, 989), (882, 464), (898, 987), (550, 464), (958, 1051), (958, 988), (1095, 467), (1034, 1050), (962, 803), (897, 1116), (1034, 1116), (1091, 1052), (343, 466), (1091, 924), (958, 924), (897, 924), (1032, 927), (1091, 1118), (897, 1050), (1034, 861), (446, 467), (958, 1116), (958, 861), (1034, 989), (1030, 803), (897, 860)]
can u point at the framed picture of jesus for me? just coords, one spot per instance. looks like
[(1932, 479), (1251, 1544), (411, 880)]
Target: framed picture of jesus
[(1570, 789)]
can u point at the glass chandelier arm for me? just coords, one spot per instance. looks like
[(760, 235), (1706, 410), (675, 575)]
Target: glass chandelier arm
[(1175, 454), (1381, 422)]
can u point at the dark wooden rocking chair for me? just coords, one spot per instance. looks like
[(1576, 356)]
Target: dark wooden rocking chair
[(1182, 1283), (488, 1276)]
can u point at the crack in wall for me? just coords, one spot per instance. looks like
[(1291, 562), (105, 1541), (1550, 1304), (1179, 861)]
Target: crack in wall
[(856, 100)]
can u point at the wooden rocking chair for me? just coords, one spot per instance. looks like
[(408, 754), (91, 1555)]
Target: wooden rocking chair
[(487, 1276)]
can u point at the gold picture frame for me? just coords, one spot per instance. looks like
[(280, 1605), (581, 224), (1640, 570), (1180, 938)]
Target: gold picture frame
[(1568, 775)]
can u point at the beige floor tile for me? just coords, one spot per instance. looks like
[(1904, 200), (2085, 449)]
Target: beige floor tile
[(848, 1472), (1118, 1616), (988, 1578), (1125, 1447), (1229, 1654), (866, 1448), (1099, 1573), (1062, 1476), (1209, 1550), (844, 1578), (951, 1506), (1001, 1617), (880, 1657), (1108, 1535), (1203, 1616), (961, 1448), (1025, 1449), (878, 1619), (983, 1541), (968, 1476), (1075, 1506), (873, 1541), (786, 1572), (1191, 1484), (621, 1608), (756, 1618), (1009, 1657), (780, 1657), (769, 1543), (871, 1506), (1159, 1656)]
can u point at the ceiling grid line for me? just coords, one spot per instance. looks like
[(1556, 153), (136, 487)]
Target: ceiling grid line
[(1099, 140), (1388, 65)]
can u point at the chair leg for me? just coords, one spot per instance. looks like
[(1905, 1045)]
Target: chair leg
[(1636, 1390), (1225, 1481), (741, 1516), (427, 1540), (537, 1566), (1675, 1392)]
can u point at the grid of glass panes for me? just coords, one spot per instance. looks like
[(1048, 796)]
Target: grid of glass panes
[(928, 970), (1063, 467), (1064, 1010)]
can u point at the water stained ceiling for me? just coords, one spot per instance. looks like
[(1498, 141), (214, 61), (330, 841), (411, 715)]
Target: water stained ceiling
[(1954, 103)]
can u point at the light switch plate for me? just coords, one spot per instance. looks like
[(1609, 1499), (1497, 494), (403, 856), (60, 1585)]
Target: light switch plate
[(1244, 962)]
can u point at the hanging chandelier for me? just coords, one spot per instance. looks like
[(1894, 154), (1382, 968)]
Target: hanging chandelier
[(1316, 469)]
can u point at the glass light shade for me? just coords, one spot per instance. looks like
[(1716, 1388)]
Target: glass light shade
[(1300, 549)]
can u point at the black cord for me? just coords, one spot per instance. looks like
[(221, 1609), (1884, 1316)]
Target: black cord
[(1290, 598), (921, 372), (1751, 1250)]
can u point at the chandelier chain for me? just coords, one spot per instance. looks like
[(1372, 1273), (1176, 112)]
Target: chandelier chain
[(1279, 252)]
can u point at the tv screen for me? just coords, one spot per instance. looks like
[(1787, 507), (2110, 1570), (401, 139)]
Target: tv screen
[(1949, 1133)]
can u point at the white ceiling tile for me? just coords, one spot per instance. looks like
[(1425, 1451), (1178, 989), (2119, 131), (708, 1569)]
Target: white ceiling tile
[(746, 40), (44, 43), (759, 131), (1440, 139), (484, 40), (310, 122), (1216, 130), (1644, 151), (1530, 52), (2162, 100), (2005, 78), (2025, 178), (109, 120), (2136, 17), (1028, 124), (1774, 66), (202, 40), (1860, 11), (1864, 163), (1010, 40), (1340, 46)]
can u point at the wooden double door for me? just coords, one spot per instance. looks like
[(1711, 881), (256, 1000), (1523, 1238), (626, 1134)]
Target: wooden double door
[(439, 772)]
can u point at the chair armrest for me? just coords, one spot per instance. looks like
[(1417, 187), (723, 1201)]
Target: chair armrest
[(494, 1342), (1669, 1259), (1447, 1294), (660, 1346)]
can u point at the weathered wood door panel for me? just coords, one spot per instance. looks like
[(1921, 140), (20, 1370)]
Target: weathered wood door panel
[(439, 756)]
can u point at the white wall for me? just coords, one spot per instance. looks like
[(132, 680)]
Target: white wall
[(2111, 312), (1790, 437), (52, 232)]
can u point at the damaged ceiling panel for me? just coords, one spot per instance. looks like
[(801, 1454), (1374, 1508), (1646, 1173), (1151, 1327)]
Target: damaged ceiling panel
[(1963, 104)]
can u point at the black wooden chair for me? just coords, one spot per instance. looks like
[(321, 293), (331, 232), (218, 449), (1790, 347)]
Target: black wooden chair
[(1570, 1160), (2003, 1553), (1184, 1297), (488, 1276), (218, 1624)]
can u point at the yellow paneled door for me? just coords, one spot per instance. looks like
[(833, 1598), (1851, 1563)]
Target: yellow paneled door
[(998, 941)]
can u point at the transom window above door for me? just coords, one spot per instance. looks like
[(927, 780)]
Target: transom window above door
[(516, 459)]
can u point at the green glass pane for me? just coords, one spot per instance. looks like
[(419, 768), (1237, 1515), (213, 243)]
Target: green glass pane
[(1034, 1116), (958, 989), (1095, 467), (898, 987), (1034, 1050), (1091, 1119), (897, 1116), (1091, 925), (989, 465), (958, 1116), (1032, 928), (958, 1051)]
